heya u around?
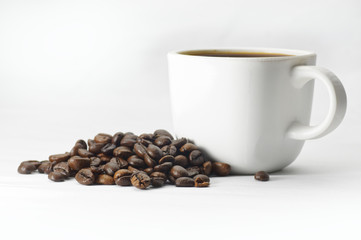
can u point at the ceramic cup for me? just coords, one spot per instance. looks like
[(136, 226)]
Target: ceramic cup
[(251, 112)]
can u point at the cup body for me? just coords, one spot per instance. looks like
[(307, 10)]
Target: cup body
[(239, 109)]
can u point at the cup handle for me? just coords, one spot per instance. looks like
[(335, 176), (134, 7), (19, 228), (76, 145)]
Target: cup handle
[(338, 102)]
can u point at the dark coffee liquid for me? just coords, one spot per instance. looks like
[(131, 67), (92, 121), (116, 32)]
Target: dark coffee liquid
[(225, 53)]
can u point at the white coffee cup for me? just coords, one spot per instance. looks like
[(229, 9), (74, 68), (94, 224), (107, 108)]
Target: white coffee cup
[(250, 112)]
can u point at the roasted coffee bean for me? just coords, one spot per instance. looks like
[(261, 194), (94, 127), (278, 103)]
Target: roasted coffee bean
[(139, 149), (140, 180), (62, 168), (171, 179), (95, 147), (117, 137), (76, 163), (95, 161), (128, 141), (162, 132), (166, 158), (144, 142), (136, 162), (45, 167), (122, 152), (184, 182), (181, 161), (26, 168), (207, 168), (97, 170), (103, 138), (158, 179), (85, 176), (74, 150), (164, 167), (201, 180), (162, 141), (261, 176), (196, 158), (104, 179), (108, 148), (132, 169), (169, 150), (59, 157), (178, 171), (149, 161), (178, 143), (147, 136), (193, 171), (85, 153), (154, 151), (120, 162), (221, 169), (148, 171), (81, 142), (188, 147), (110, 168), (122, 177), (36, 163), (104, 158), (56, 176)]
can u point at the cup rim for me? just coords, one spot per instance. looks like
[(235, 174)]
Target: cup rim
[(295, 53)]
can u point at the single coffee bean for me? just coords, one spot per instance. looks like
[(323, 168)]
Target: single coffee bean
[(184, 182), (147, 136), (178, 171), (62, 168), (207, 168), (26, 168), (59, 157), (178, 143), (140, 180), (122, 177), (201, 180), (149, 161), (144, 142), (164, 167), (166, 158), (103, 138), (162, 132), (110, 168), (132, 169), (122, 152), (136, 162), (57, 176), (169, 150), (188, 147), (81, 142), (74, 150), (162, 141), (120, 162), (117, 137), (104, 158), (36, 163), (261, 176), (95, 161), (95, 147), (76, 163), (154, 151), (139, 149), (104, 179), (45, 167), (221, 169), (85, 177), (97, 170), (171, 179), (85, 153), (158, 179), (128, 141), (108, 148), (193, 171), (196, 158), (181, 161), (148, 171)]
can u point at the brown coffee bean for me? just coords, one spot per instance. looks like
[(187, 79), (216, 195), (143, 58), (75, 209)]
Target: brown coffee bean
[(104, 158), (261, 176), (169, 150), (45, 167), (149, 161), (85, 153), (139, 149), (108, 148), (122, 152), (162, 132), (59, 157), (128, 141), (184, 182), (140, 180), (120, 162), (196, 158), (207, 168), (76, 163), (85, 177), (166, 158), (221, 169), (103, 138), (136, 162), (104, 179), (162, 141), (117, 137), (122, 177), (181, 161), (147, 136), (26, 168), (95, 161), (97, 170), (144, 142), (178, 171), (56, 176), (201, 180), (36, 163), (132, 169), (164, 167), (158, 179), (178, 143), (62, 168), (148, 171), (110, 168), (154, 151), (171, 179), (188, 147), (193, 171), (95, 147), (80, 144)]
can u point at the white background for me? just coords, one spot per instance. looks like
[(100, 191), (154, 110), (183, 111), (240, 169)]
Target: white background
[(71, 69)]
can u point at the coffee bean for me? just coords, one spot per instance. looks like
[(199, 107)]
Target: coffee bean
[(108, 148), (162, 141), (207, 168), (188, 147), (103, 138), (104, 158), (26, 168), (122, 177), (76, 163), (158, 179), (261, 176), (154, 151), (147, 136), (162, 132), (178, 171), (85, 177), (144, 142), (95, 161), (104, 179), (140, 180), (62, 168), (193, 171), (184, 182), (128, 141), (136, 162), (74, 150), (221, 169), (149, 161), (120, 162), (148, 171), (196, 158), (181, 161), (95, 147), (45, 167), (36, 163), (81, 142), (169, 150), (166, 158), (132, 169), (117, 137), (97, 170), (56, 176), (171, 179), (85, 153), (59, 157), (201, 180), (110, 168), (164, 167), (139, 149), (178, 143), (122, 152)]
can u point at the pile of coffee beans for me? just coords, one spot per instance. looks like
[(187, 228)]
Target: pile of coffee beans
[(125, 159)]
